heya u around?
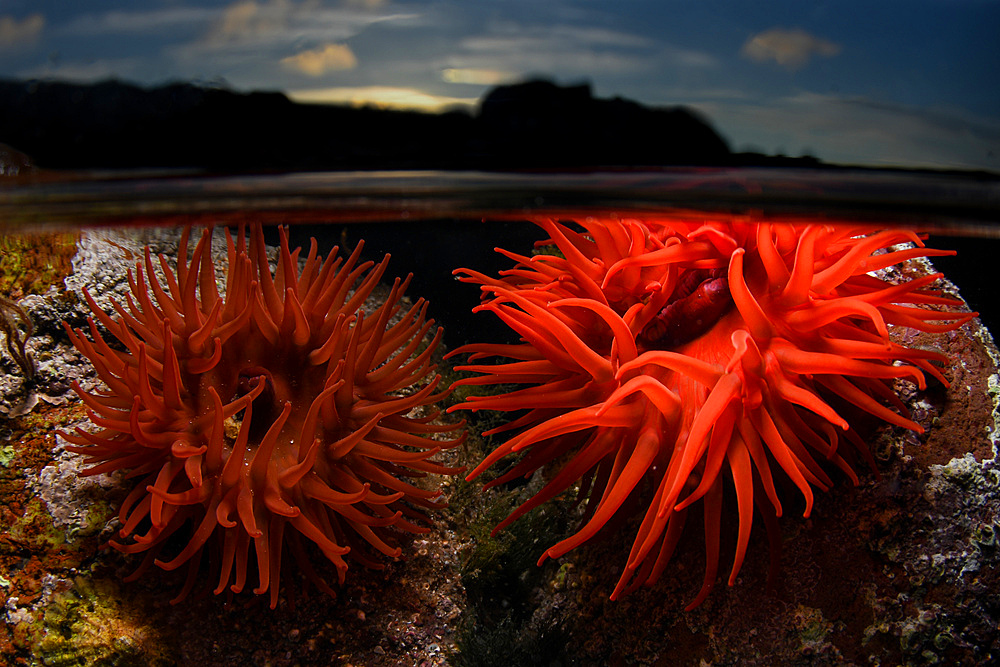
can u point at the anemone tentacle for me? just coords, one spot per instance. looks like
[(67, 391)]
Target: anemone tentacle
[(796, 338), (325, 390)]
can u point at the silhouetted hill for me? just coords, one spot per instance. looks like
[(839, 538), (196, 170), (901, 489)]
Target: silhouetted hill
[(557, 124), (119, 126), (114, 125)]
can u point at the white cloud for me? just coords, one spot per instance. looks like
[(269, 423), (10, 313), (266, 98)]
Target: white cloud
[(481, 77), (249, 19), (792, 49), (137, 22), (15, 33), (510, 37), (568, 50), (256, 43), (252, 25), (317, 62), (390, 97), (366, 4)]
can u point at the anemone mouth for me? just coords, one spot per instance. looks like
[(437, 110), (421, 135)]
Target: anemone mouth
[(265, 405), (700, 301)]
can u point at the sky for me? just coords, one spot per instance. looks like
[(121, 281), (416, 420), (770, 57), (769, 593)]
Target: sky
[(873, 82)]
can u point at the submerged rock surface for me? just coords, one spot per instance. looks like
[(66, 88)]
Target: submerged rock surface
[(901, 570)]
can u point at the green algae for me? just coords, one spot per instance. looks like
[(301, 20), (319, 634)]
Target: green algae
[(35, 528), (91, 624), (31, 264), (500, 571)]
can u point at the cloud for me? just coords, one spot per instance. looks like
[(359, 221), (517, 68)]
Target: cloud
[(571, 50), (519, 49), (367, 4), (861, 131), (251, 24), (153, 21), (249, 42), (17, 33), (509, 38), (792, 49), (390, 97), (482, 77), (247, 19), (317, 62)]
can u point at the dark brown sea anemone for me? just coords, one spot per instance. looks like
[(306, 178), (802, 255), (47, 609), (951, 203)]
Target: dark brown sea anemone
[(687, 354), (278, 415)]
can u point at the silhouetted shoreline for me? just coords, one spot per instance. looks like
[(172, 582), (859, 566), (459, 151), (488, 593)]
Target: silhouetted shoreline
[(532, 125)]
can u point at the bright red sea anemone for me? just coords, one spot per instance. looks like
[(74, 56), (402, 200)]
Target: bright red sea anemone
[(278, 416), (689, 354)]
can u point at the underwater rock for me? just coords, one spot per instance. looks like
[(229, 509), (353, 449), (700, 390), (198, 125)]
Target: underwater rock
[(903, 569)]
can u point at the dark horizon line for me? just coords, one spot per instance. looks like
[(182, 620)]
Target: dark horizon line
[(501, 122)]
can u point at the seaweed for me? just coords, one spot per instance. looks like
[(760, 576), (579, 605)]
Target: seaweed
[(14, 339)]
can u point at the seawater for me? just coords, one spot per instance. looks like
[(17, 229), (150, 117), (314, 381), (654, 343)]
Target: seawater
[(902, 568)]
